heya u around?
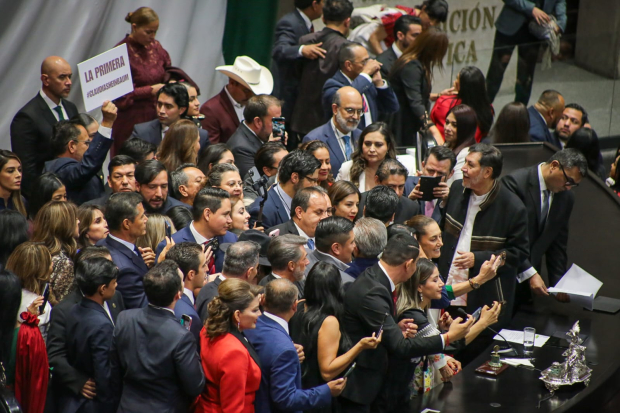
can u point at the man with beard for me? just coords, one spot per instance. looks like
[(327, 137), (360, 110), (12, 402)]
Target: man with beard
[(288, 258), (483, 218), (152, 184), (545, 115), (340, 133), (573, 118)]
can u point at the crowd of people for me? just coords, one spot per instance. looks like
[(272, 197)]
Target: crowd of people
[(269, 250)]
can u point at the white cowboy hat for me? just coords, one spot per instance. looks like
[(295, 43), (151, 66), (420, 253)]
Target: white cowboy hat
[(250, 74)]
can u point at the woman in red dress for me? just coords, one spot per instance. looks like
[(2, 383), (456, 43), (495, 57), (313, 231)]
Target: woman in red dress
[(229, 361), (149, 61)]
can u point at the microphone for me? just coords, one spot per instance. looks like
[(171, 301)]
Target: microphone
[(512, 349)]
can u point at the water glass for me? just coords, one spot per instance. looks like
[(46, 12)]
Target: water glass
[(529, 335)]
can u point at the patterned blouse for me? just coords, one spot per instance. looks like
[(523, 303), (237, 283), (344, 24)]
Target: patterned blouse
[(62, 282)]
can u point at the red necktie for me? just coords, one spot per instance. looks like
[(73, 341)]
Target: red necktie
[(394, 298), (211, 264), (312, 28)]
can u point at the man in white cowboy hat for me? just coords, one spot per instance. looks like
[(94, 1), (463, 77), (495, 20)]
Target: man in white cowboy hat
[(224, 112)]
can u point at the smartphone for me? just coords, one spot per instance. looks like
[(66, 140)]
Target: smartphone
[(278, 126), (214, 244), (274, 233), (168, 229), (46, 296), (476, 314), (186, 321), (382, 324), (350, 370), (427, 185)]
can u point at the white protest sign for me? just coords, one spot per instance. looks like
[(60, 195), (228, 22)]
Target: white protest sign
[(105, 77)]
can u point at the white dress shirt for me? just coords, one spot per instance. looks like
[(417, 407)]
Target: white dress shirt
[(308, 23), (457, 275), (52, 105), (302, 233), (344, 174), (238, 106), (278, 320), (190, 294), (396, 50), (164, 129), (197, 236), (284, 197)]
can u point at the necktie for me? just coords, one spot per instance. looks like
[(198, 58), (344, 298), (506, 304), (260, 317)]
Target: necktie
[(136, 251), (311, 244), (347, 147), (58, 110), (429, 208), (545, 208), (364, 104), (312, 28), (394, 298)]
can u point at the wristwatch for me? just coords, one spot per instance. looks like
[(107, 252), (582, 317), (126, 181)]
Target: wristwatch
[(474, 285)]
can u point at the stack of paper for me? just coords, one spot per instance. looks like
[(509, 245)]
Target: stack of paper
[(516, 336), (579, 285)]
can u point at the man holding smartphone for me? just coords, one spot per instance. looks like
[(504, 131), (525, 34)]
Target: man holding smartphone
[(440, 163)]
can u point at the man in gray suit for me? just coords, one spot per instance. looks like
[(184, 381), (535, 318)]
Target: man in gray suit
[(512, 30), (335, 243), (155, 364)]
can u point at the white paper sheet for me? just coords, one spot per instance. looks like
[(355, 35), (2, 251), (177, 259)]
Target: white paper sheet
[(518, 362), (579, 285), (516, 336)]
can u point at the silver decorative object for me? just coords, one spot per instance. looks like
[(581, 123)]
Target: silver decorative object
[(496, 361), (573, 369)]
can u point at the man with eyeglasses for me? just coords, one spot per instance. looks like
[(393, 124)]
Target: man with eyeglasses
[(364, 74), (340, 133), (545, 189), (440, 161), (299, 169), (79, 157), (483, 218)]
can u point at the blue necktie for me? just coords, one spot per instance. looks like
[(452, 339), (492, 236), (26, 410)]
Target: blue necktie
[(347, 147), (311, 244)]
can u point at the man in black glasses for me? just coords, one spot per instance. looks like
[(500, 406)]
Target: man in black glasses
[(545, 191)]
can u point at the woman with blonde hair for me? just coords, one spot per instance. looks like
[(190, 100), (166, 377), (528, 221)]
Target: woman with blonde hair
[(229, 361), (56, 226), (181, 145), (93, 225), (155, 231), (148, 61), (32, 263)]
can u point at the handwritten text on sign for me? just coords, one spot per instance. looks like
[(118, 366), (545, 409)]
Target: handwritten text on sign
[(105, 77)]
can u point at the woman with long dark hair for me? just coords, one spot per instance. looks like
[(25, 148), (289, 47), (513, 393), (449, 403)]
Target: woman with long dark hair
[(374, 145), (212, 155), (412, 79), (14, 232), (11, 182), (47, 187), (345, 199), (327, 347), (93, 226), (585, 140), (320, 151), (460, 131), (472, 91), (512, 125)]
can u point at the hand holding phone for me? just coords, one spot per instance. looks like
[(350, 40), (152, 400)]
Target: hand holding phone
[(350, 370), (46, 296), (428, 185), (186, 321)]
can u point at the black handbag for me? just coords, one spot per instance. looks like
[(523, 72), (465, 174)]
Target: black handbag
[(8, 402)]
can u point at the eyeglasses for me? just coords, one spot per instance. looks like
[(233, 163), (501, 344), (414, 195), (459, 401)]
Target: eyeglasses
[(570, 182), (312, 180), (351, 111)]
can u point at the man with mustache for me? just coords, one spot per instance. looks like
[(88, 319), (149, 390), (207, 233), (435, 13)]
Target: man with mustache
[(573, 118), (152, 184), (340, 133)]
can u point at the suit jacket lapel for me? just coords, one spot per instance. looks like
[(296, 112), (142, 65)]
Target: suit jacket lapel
[(45, 110), (135, 259), (534, 192), (228, 107), (291, 226), (277, 202), (332, 142), (241, 337), (114, 307), (381, 278)]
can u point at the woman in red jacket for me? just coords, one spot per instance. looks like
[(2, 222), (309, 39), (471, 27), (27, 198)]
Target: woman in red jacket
[(228, 359)]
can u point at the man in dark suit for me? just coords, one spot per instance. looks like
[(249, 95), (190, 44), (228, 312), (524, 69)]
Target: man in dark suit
[(573, 118), (121, 178), (370, 305), (340, 133), (380, 203), (483, 218), (513, 29), (211, 214), (370, 240), (254, 131), (308, 113), (544, 115), (391, 174), (440, 161), (335, 243), (152, 184), (65, 377), (241, 261), (299, 169), (362, 73), (191, 259), (280, 389), (126, 220), (289, 259), (172, 104), (89, 335), (406, 29), (224, 112), (155, 364), (287, 51), (31, 128), (545, 191), (79, 157)]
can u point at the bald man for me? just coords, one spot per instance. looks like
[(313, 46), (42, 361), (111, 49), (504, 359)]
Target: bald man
[(340, 133), (31, 128)]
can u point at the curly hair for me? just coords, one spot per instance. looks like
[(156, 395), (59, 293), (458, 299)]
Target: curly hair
[(234, 294)]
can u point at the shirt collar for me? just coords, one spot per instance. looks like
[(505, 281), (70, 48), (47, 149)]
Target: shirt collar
[(128, 244), (346, 77), (49, 101), (392, 286), (396, 50), (285, 197), (342, 266), (337, 132), (163, 308), (197, 236), (250, 129), (275, 275), (302, 233), (232, 100), (189, 293), (306, 19), (278, 320), (541, 179)]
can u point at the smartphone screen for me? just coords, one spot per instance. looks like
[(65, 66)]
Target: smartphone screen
[(476, 314), (278, 126), (186, 321)]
